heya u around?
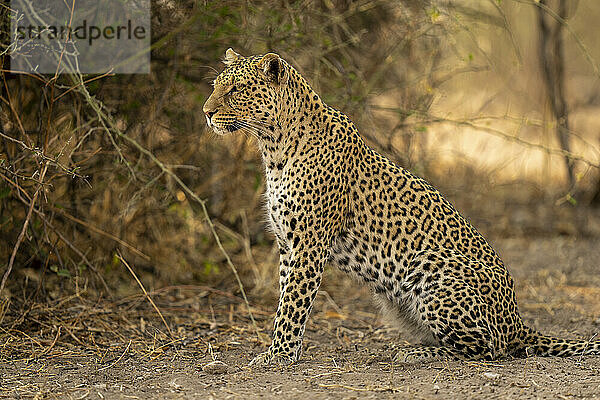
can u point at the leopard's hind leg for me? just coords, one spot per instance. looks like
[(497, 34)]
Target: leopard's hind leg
[(452, 303), (442, 295), (404, 316)]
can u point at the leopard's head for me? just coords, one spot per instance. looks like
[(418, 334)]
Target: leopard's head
[(248, 94)]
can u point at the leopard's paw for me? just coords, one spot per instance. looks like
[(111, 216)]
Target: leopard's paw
[(261, 360), (270, 358)]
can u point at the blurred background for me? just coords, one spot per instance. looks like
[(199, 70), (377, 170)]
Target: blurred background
[(495, 102)]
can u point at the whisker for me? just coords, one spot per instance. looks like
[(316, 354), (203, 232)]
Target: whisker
[(254, 121), (259, 125), (246, 129), (258, 131), (213, 70)]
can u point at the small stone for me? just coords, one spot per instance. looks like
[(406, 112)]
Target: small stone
[(491, 375), (176, 386), (215, 367)]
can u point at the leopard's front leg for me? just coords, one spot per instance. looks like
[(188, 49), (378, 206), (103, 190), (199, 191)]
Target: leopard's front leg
[(300, 278)]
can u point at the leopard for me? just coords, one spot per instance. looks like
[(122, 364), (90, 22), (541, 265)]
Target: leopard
[(332, 200)]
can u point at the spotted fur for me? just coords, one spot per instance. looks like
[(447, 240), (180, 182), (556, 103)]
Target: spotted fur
[(332, 199)]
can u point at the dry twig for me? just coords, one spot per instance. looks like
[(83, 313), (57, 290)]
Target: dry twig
[(23, 230), (145, 293)]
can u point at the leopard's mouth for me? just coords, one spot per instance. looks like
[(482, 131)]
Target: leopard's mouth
[(224, 130)]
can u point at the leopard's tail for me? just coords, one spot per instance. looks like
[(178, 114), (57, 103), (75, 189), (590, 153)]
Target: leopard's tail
[(535, 343)]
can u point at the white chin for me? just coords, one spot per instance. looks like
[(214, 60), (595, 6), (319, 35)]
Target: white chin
[(218, 131)]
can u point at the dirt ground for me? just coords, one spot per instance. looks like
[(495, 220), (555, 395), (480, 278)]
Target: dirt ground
[(347, 350)]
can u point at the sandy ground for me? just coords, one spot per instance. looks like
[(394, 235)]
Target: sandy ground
[(347, 351)]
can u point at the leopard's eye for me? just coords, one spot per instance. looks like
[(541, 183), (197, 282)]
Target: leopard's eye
[(232, 90)]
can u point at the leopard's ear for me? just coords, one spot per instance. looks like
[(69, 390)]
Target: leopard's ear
[(273, 68), (230, 56)]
